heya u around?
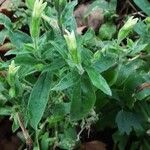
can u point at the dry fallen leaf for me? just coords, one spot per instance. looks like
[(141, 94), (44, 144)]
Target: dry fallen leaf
[(93, 20), (4, 4), (94, 145)]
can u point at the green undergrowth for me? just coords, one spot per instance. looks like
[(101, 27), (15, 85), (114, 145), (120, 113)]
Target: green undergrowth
[(54, 81)]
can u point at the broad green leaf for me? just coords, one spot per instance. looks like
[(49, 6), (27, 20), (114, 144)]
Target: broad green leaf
[(99, 4), (137, 47), (26, 70), (98, 81), (144, 5), (141, 28), (66, 82), (104, 62), (67, 18), (68, 139), (127, 69), (126, 121), (30, 3), (3, 99), (58, 112), (25, 59), (61, 50), (38, 99), (5, 111), (19, 38), (4, 20), (120, 140), (3, 35), (83, 99), (113, 5), (55, 65), (45, 141), (107, 31), (144, 94)]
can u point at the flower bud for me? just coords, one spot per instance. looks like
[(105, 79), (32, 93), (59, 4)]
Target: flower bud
[(130, 23), (74, 53), (127, 28), (147, 21), (38, 8), (71, 40), (12, 70), (72, 46), (12, 92)]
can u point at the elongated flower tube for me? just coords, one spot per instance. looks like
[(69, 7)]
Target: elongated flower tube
[(38, 8), (130, 23), (72, 46), (12, 70), (11, 76), (74, 53), (127, 28)]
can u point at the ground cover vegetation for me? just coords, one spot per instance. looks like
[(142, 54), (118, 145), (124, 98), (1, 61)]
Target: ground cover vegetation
[(59, 84)]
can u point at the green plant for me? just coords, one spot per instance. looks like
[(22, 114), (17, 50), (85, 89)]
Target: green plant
[(58, 80)]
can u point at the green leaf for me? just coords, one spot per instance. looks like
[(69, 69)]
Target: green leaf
[(141, 28), (61, 50), (144, 94), (144, 5), (107, 31), (98, 81), (120, 140), (83, 99), (113, 5), (5, 111), (25, 59), (102, 5), (3, 35), (38, 99), (30, 3), (68, 139), (126, 121), (105, 62), (127, 69), (4, 20), (67, 18), (45, 141), (19, 38), (137, 47), (66, 82)]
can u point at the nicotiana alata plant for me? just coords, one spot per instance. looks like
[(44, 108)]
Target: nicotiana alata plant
[(57, 83)]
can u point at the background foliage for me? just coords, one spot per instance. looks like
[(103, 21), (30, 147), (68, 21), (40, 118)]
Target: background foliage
[(55, 83)]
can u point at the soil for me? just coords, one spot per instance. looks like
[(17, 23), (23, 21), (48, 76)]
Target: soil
[(8, 140)]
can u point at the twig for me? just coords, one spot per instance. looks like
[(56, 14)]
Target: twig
[(29, 143), (138, 13)]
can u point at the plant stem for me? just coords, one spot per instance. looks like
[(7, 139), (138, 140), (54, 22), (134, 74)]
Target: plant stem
[(37, 141), (29, 143), (59, 22)]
